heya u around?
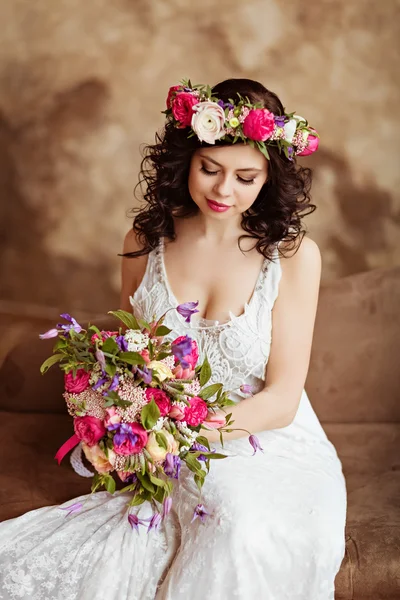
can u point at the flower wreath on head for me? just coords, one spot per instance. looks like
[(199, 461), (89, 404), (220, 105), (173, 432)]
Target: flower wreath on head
[(212, 119)]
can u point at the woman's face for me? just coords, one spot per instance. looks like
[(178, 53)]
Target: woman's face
[(224, 181)]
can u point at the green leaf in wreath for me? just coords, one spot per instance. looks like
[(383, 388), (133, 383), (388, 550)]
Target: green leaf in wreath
[(132, 358), (150, 415), (52, 360), (127, 318), (210, 391), (162, 330), (110, 346), (110, 484), (137, 500), (205, 372), (161, 440), (156, 480), (145, 482)]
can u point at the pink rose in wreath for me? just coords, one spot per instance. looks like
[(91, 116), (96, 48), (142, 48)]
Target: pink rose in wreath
[(197, 412), (77, 384), (182, 108), (160, 397), (89, 429), (259, 124)]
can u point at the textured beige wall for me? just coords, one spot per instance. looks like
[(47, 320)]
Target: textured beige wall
[(82, 85)]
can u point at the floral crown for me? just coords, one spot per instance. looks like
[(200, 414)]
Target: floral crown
[(212, 119)]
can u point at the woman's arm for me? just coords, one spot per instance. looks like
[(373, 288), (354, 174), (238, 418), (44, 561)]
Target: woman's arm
[(293, 319)]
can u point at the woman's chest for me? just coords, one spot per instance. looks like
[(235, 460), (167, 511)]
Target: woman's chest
[(222, 283)]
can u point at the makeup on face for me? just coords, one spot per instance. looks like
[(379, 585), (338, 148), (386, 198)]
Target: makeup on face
[(217, 206)]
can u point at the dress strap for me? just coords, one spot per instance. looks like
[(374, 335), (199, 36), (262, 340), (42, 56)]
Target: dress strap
[(273, 276)]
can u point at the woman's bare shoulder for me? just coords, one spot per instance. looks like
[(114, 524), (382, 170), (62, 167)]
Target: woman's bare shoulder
[(305, 262)]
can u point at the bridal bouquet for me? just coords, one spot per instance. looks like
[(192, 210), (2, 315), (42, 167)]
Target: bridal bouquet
[(138, 403)]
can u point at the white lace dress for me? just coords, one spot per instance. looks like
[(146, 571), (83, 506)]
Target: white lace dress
[(276, 524)]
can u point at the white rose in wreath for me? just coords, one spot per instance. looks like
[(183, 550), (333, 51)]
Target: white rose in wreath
[(290, 127), (208, 121)]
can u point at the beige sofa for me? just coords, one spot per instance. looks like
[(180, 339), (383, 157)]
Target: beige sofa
[(353, 384)]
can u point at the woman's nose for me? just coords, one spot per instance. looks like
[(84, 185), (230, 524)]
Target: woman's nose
[(223, 187)]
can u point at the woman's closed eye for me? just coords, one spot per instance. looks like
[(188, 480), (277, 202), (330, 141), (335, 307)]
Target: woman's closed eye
[(244, 181)]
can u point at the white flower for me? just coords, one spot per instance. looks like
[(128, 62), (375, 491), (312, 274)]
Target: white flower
[(159, 424), (290, 127), (162, 371), (136, 340), (208, 121)]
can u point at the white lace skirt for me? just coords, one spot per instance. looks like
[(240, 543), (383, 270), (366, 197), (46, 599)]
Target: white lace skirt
[(275, 531)]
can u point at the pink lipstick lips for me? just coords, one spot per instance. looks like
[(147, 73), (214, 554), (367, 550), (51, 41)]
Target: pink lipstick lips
[(217, 206)]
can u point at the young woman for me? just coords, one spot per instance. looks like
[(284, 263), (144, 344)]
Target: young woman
[(221, 225)]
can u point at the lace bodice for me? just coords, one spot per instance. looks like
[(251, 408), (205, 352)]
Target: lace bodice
[(238, 349)]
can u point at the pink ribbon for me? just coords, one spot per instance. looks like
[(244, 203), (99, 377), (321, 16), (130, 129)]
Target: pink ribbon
[(66, 447)]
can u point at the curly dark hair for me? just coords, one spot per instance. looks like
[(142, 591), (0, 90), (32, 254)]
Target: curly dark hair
[(276, 213)]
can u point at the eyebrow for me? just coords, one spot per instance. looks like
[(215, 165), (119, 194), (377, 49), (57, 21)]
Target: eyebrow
[(217, 163)]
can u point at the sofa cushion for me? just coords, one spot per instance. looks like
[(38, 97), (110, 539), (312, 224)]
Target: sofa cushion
[(370, 454), (354, 373)]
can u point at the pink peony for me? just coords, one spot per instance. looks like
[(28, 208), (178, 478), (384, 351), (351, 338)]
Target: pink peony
[(177, 413), (103, 336), (180, 373), (196, 412), (191, 358), (124, 475), (160, 398), (76, 384), (182, 108), (214, 421), (146, 355), (99, 460), (259, 124), (89, 429), (132, 442), (312, 146), (171, 94), (112, 417)]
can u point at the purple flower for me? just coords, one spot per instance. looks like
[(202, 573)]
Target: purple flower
[(280, 120), (187, 309), (182, 349), (134, 521), (247, 389), (172, 465), (290, 152), (122, 343), (72, 324), (145, 373), (255, 443), (200, 448), (113, 427), (131, 478), (101, 358), (51, 333), (200, 512), (124, 434), (99, 383), (114, 384), (73, 508), (155, 522), (167, 506)]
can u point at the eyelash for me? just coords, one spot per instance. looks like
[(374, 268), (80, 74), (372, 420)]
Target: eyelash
[(244, 181)]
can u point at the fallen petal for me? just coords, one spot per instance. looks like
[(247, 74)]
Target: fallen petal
[(73, 508), (51, 333)]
